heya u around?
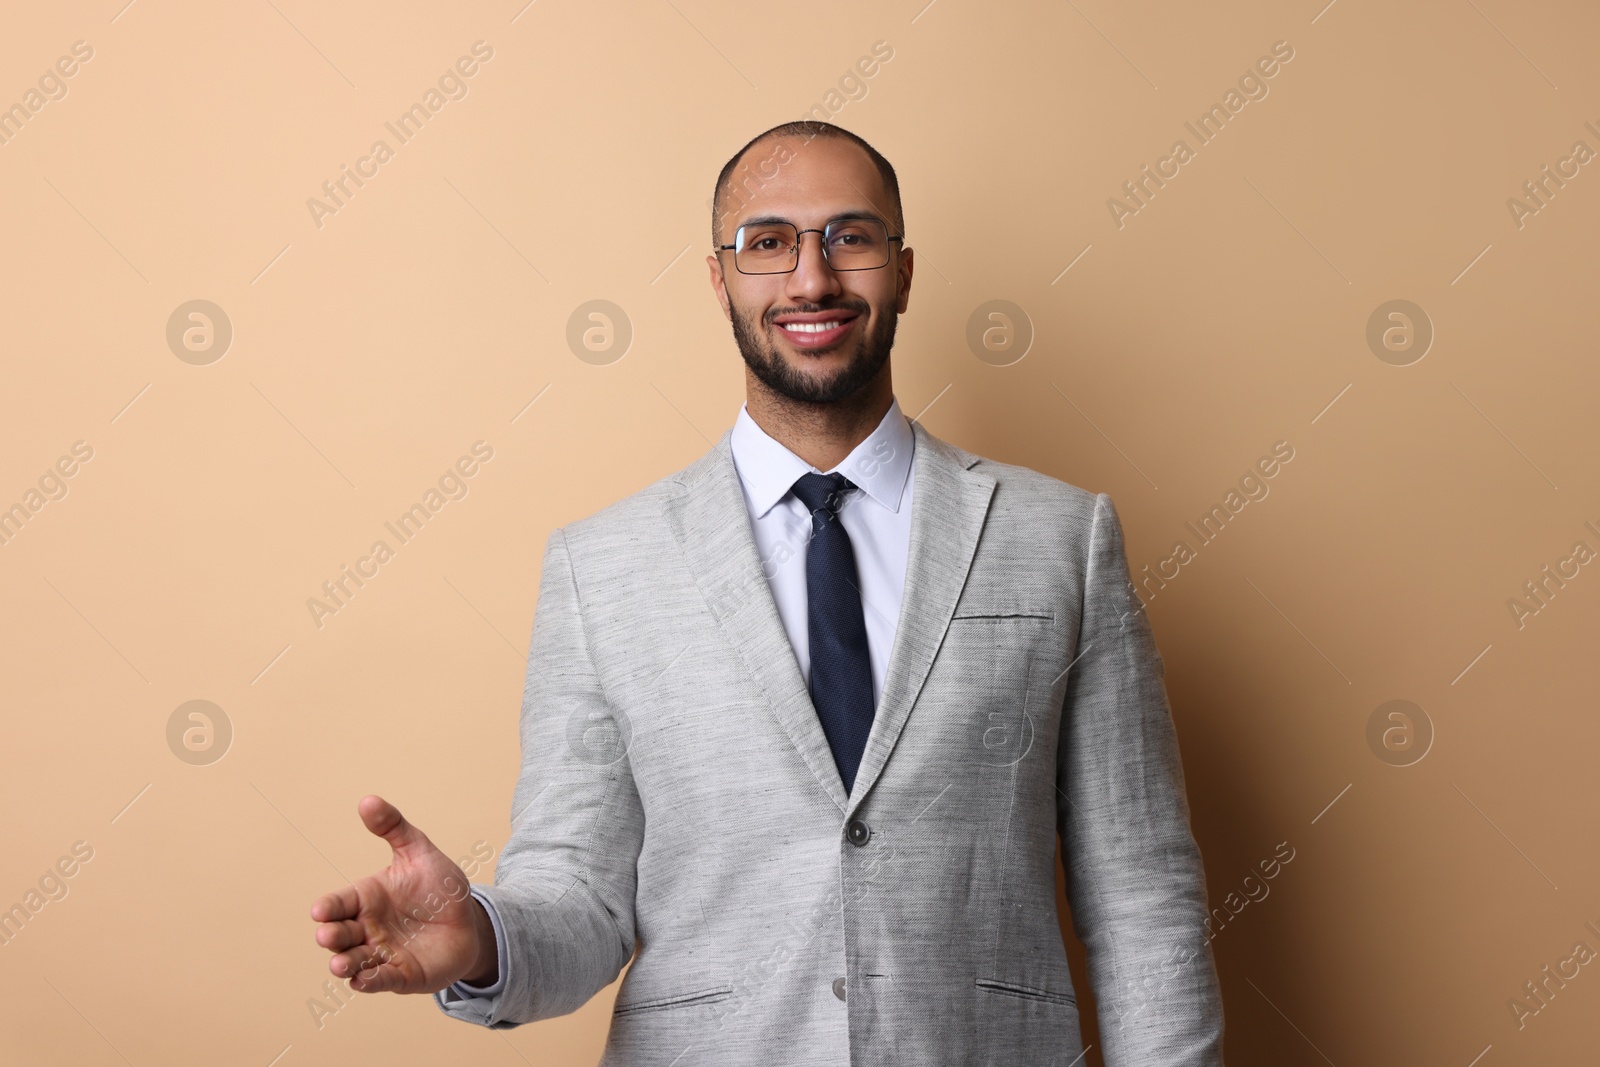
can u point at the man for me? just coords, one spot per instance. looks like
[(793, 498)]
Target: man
[(802, 721)]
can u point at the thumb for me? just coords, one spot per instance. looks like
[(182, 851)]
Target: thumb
[(385, 820)]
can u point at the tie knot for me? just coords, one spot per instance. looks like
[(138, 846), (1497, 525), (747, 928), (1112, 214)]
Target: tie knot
[(822, 491)]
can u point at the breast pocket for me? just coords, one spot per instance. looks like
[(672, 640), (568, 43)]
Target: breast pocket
[(990, 657)]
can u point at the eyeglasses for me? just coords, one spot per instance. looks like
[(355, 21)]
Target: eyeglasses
[(847, 244)]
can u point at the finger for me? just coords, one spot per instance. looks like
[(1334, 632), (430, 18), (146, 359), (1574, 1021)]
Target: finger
[(386, 978), (340, 904), (341, 935), (373, 970), (385, 820), (366, 969)]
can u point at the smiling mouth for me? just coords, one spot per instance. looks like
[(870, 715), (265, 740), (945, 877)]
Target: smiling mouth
[(819, 332)]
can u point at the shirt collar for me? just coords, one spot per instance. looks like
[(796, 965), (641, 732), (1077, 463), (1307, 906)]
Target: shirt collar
[(879, 464)]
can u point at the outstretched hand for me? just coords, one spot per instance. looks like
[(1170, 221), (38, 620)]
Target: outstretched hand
[(412, 927)]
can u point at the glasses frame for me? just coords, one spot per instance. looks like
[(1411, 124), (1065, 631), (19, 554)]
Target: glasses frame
[(795, 248)]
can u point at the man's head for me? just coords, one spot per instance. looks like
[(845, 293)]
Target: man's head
[(810, 173)]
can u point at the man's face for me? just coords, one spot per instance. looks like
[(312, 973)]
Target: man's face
[(809, 183)]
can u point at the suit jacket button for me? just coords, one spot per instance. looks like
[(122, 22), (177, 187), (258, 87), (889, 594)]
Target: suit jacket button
[(857, 832), (838, 987)]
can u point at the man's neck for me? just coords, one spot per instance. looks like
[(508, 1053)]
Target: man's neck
[(821, 434)]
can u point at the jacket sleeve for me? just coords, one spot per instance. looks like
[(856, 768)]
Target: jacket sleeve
[(563, 890), (1135, 881)]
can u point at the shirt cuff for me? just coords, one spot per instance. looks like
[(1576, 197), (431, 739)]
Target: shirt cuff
[(462, 989)]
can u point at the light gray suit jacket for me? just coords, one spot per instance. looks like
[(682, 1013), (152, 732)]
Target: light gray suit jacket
[(679, 806)]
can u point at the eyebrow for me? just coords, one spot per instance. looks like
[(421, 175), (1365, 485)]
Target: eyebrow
[(842, 216)]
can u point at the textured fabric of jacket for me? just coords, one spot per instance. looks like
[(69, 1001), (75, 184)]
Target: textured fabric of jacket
[(678, 805)]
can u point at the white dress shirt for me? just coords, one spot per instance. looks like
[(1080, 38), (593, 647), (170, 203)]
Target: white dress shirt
[(878, 520)]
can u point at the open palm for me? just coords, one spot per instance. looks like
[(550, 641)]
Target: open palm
[(410, 928)]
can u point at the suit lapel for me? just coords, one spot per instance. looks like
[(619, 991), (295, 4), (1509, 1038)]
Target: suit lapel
[(707, 515), (948, 507)]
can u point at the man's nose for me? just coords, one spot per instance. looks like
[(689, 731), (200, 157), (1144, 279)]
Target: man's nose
[(812, 278)]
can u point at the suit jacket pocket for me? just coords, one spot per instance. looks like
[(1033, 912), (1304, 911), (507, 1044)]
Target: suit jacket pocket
[(681, 1000), (994, 612), (1026, 992)]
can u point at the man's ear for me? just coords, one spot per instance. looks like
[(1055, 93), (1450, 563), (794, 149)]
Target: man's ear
[(719, 286), (903, 294)]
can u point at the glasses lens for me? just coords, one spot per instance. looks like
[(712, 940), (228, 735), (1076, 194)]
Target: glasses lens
[(848, 244), (857, 244), (765, 248)]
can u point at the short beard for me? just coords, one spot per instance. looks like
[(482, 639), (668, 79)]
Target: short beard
[(769, 365)]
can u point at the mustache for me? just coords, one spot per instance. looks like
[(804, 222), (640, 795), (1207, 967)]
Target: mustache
[(859, 309)]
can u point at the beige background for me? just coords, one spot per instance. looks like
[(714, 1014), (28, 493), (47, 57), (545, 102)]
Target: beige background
[(1229, 313)]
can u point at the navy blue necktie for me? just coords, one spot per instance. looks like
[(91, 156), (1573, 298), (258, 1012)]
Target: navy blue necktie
[(841, 670)]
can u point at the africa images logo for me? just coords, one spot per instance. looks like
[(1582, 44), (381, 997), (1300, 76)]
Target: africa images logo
[(1252, 86), (451, 85)]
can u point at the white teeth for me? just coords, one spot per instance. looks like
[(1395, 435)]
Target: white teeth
[(810, 327)]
